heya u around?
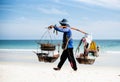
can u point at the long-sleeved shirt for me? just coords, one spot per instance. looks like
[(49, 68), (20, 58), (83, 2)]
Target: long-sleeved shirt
[(67, 35)]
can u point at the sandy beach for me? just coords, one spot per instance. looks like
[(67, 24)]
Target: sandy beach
[(44, 28), (15, 69)]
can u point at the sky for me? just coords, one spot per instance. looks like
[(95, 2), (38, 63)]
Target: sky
[(28, 19)]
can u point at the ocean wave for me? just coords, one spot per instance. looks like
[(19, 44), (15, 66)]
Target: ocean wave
[(113, 52), (18, 50)]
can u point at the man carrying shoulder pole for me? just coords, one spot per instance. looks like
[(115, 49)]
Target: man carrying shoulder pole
[(67, 44)]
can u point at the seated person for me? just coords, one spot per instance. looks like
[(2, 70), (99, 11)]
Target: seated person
[(89, 46), (86, 40)]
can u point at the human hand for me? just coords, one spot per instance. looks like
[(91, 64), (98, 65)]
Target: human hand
[(50, 27)]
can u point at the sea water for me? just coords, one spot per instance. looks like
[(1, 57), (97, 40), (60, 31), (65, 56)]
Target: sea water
[(106, 46), (22, 51)]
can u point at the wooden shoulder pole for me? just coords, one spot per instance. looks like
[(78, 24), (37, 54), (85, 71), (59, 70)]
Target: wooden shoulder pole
[(78, 30)]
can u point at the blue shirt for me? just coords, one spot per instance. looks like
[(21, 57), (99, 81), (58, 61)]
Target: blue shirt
[(67, 33)]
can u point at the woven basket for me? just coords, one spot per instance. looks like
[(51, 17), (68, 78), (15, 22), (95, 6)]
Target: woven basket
[(42, 57), (82, 60), (48, 47)]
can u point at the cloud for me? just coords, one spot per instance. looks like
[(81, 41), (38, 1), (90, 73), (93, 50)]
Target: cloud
[(100, 29), (105, 29), (53, 11), (113, 4)]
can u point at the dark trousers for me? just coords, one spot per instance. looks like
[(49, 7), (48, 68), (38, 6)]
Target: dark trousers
[(68, 53)]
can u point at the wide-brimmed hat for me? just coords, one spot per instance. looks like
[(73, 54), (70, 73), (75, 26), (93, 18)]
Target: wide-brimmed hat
[(64, 22)]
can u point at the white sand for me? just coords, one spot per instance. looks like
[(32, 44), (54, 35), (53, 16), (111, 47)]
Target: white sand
[(25, 72), (43, 72)]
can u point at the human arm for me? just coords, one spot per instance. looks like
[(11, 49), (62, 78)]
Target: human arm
[(73, 28), (59, 28), (78, 47)]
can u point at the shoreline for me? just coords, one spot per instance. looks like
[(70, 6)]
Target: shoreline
[(104, 59)]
